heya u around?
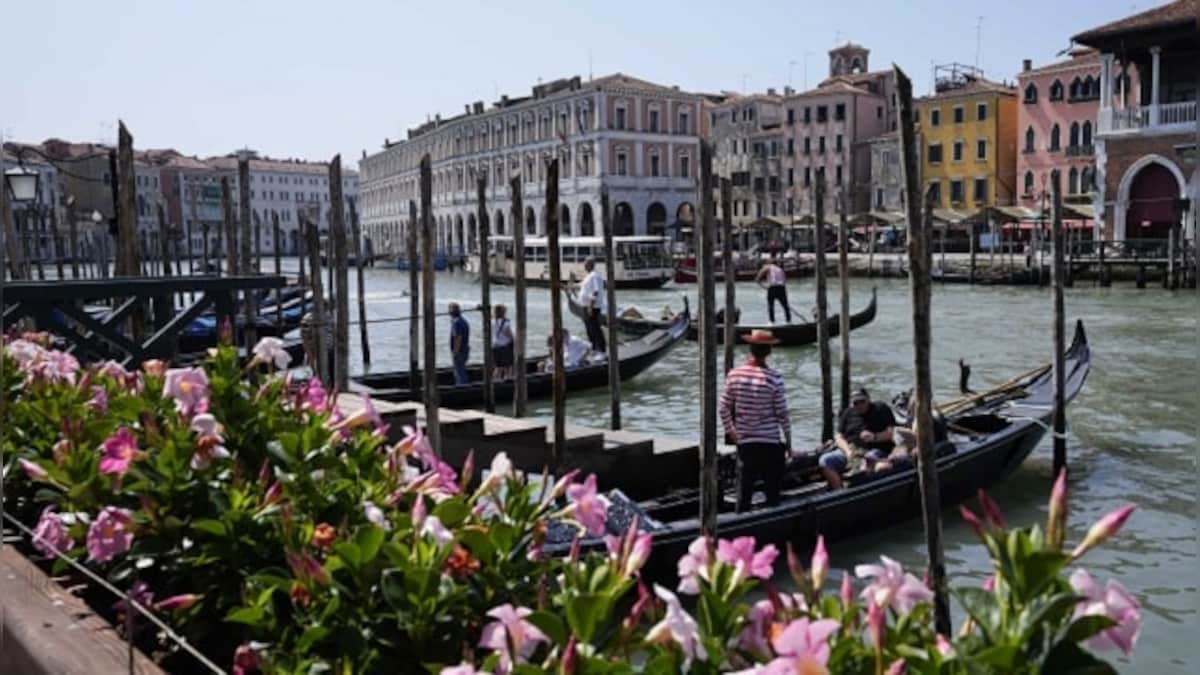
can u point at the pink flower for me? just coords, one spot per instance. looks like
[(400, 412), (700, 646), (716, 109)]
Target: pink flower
[(943, 646), (245, 660), (820, 564), (175, 602), (892, 586), (991, 511), (139, 593), (591, 509), (314, 397), (499, 472), (375, 516), (33, 470), (897, 667), (99, 401), (1114, 602), (270, 350), (273, 493), (52, 365), (876, 624), (972, 520), (373, 415), (50, 536), (23, 352), (804, 638), (740, 554), (110, 534), (629, 551), (678, 626), (511, 635), (414, 443), (114, 370), (1056, 520), (209, 439), (189, 388), (307, 568), (753, 637), (989, 584), (693, 566), (433, 527), (1104, 528), (120, 450), (462, 669)]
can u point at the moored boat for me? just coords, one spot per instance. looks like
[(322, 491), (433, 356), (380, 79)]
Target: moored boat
[(798, 334), (641, 261)]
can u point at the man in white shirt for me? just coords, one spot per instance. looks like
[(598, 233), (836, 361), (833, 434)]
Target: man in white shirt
[(575, 352), (594, 300), (776, 285)]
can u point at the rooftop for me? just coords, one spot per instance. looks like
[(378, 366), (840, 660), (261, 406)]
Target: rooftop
[(1078, 57), (1178, 14)]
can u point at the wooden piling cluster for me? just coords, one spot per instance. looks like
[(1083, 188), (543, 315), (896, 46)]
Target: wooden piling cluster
[(430, 395), (710, 490), (844, 312), (610, 294), (730, 325), (520, 387), (1060, 381), (485, 290), (359, 255), (249, 303), (822, 309), (556, 326), (414, 298)]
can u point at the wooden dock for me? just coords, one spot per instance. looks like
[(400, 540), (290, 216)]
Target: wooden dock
[(640, 464)]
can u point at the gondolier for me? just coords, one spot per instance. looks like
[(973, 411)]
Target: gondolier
[(594, 299), (776, 285), (755, 417)]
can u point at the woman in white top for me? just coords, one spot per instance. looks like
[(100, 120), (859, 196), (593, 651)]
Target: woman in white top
[(502, 343)]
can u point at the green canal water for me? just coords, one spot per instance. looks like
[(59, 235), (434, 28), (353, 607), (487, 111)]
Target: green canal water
[(1134, 428)]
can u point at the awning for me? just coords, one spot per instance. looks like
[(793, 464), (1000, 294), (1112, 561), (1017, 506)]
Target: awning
[(890, 217), (1012, 213), (1034, 224), (1081, 211), (950, 216)]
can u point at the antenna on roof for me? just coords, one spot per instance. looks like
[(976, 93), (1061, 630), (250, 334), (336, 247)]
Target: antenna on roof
[(589, 64), (978, 39)]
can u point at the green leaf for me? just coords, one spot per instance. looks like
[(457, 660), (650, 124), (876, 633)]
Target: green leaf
[(349, 553), (549, 624), (1003, 657), (1086, 626), (368, 539), (452, 512), (1068, 658), (251, 616), (210, 526), (392, 585), (311, 635), (981, 605), (1040, 568), (1045, 611), (584, 613)]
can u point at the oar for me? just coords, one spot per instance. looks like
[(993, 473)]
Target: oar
[(1004, 388)]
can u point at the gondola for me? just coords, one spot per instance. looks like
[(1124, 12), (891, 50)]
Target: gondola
[(631, 324), (793, 268), (635, 357), (798, 334), (989, 436)]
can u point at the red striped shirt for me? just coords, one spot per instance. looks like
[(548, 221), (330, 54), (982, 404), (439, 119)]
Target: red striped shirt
[(753, 404)]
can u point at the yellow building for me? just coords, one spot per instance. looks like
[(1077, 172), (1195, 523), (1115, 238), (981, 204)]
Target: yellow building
[(969, 143)]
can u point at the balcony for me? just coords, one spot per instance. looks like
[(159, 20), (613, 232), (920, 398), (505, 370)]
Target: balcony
[(1165, 118), (1081, 150)]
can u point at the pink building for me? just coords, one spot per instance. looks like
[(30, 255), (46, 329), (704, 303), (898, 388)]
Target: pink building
[(1056, 127)]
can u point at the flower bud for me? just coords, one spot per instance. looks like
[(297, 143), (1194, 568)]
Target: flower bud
[(1056, 520), (972, 520), (795, 567), (847, 590), (1104, 528), (178, 602), (820, 565), (33, 470), (876, 624), (991, 511)]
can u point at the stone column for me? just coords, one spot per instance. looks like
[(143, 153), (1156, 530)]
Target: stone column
[(1155, 53)]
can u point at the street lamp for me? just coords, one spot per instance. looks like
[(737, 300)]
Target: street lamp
[(22, 183)]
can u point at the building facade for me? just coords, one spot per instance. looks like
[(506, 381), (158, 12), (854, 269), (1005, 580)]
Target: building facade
[(968, 131), (1148, 178), (749, 150), (637, 139), (825, 127), (887, 176), (1056, 121)]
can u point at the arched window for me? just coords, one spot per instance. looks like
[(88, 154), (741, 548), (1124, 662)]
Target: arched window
[(1074, 140), (1031, 93), (1073, 181), (1029, 139), (1075, 89), (1087, 133), (1028, 183), (1055, 138), (1056, 91), (1085, 180), (1090, 89)]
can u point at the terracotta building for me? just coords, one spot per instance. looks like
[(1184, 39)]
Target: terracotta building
[(1148, 179)]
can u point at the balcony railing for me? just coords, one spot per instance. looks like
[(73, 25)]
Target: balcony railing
[(1081, 150), (1140, 118)]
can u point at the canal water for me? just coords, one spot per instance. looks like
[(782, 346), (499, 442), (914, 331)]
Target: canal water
[(1133, 429)]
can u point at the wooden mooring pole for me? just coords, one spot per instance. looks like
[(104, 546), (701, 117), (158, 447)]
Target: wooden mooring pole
[(485, 289), (364, 344), (710, 489), (57, 247), (276, 246), (433, 430), (320, 325), (729, 327), (844, 315), (73, 233), (414, 300), (341, 278), (822, 309), (920, 261), (249, 299), (127, 208), (559, 449), (1060, 376), (225, 237), (610, 294), (520, 391)]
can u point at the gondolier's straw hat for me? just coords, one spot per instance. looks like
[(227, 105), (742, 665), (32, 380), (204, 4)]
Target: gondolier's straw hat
[(760, 337)]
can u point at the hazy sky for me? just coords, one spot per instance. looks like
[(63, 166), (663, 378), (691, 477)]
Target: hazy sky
[(310, 79)]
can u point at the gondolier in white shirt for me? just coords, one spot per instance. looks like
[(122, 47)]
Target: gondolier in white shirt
[(594, 301), (776, 285)]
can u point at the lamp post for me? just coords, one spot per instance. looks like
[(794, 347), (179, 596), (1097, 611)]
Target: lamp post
[(97, 219)]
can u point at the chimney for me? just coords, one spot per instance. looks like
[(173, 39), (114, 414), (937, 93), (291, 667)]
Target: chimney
[(467, 108), (770, 91), (1026, 65)]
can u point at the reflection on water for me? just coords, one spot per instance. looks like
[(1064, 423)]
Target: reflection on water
[(1133, 429)]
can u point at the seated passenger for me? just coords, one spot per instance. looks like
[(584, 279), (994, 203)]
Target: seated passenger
[(864, 429), (575, 352)]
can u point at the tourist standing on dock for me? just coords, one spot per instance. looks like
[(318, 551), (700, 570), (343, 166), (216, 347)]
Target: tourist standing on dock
[(460, 343), (776, 284), (593, 298), (754, 413), (502, 343)]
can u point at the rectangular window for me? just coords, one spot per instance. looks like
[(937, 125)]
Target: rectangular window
[(958, 114), (822, 113), (981, 149), (958, 151), (653, 165), (981, 112), (758, 209), (807, 145), (807, 176), (878, 112), (879, 198), (838, 143), (622, 170), (935, 153), (821, 145), (935, 117), (683, 123), (791, 147), (807, 115), (935, 192), (837, 175), (758, 184), (654, 121), (620, 118), (791, 177), (791, 116), (790, 206), (981, 191), (773, 183), (685, 167), (839, 112), (956, 191)]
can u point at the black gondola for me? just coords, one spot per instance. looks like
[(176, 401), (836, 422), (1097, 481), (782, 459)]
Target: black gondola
[(989, 437), (788, 334), (635, 357), (631, 325)]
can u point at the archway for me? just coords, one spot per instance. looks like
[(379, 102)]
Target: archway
[(656, 219), (622, 220), (472, 233), (499, 227), (587, 224), (1151, 192), (564, 220), (530, 221), (456, 237)]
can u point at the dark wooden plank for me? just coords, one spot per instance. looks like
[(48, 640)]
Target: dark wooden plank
[(520, 386), (559, 448), (822, 309), (710, 490)]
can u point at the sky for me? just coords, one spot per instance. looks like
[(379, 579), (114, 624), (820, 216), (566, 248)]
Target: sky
[(312, 79)]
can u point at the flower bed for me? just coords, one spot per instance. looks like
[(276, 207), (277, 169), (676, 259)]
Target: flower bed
[(275, 533)]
